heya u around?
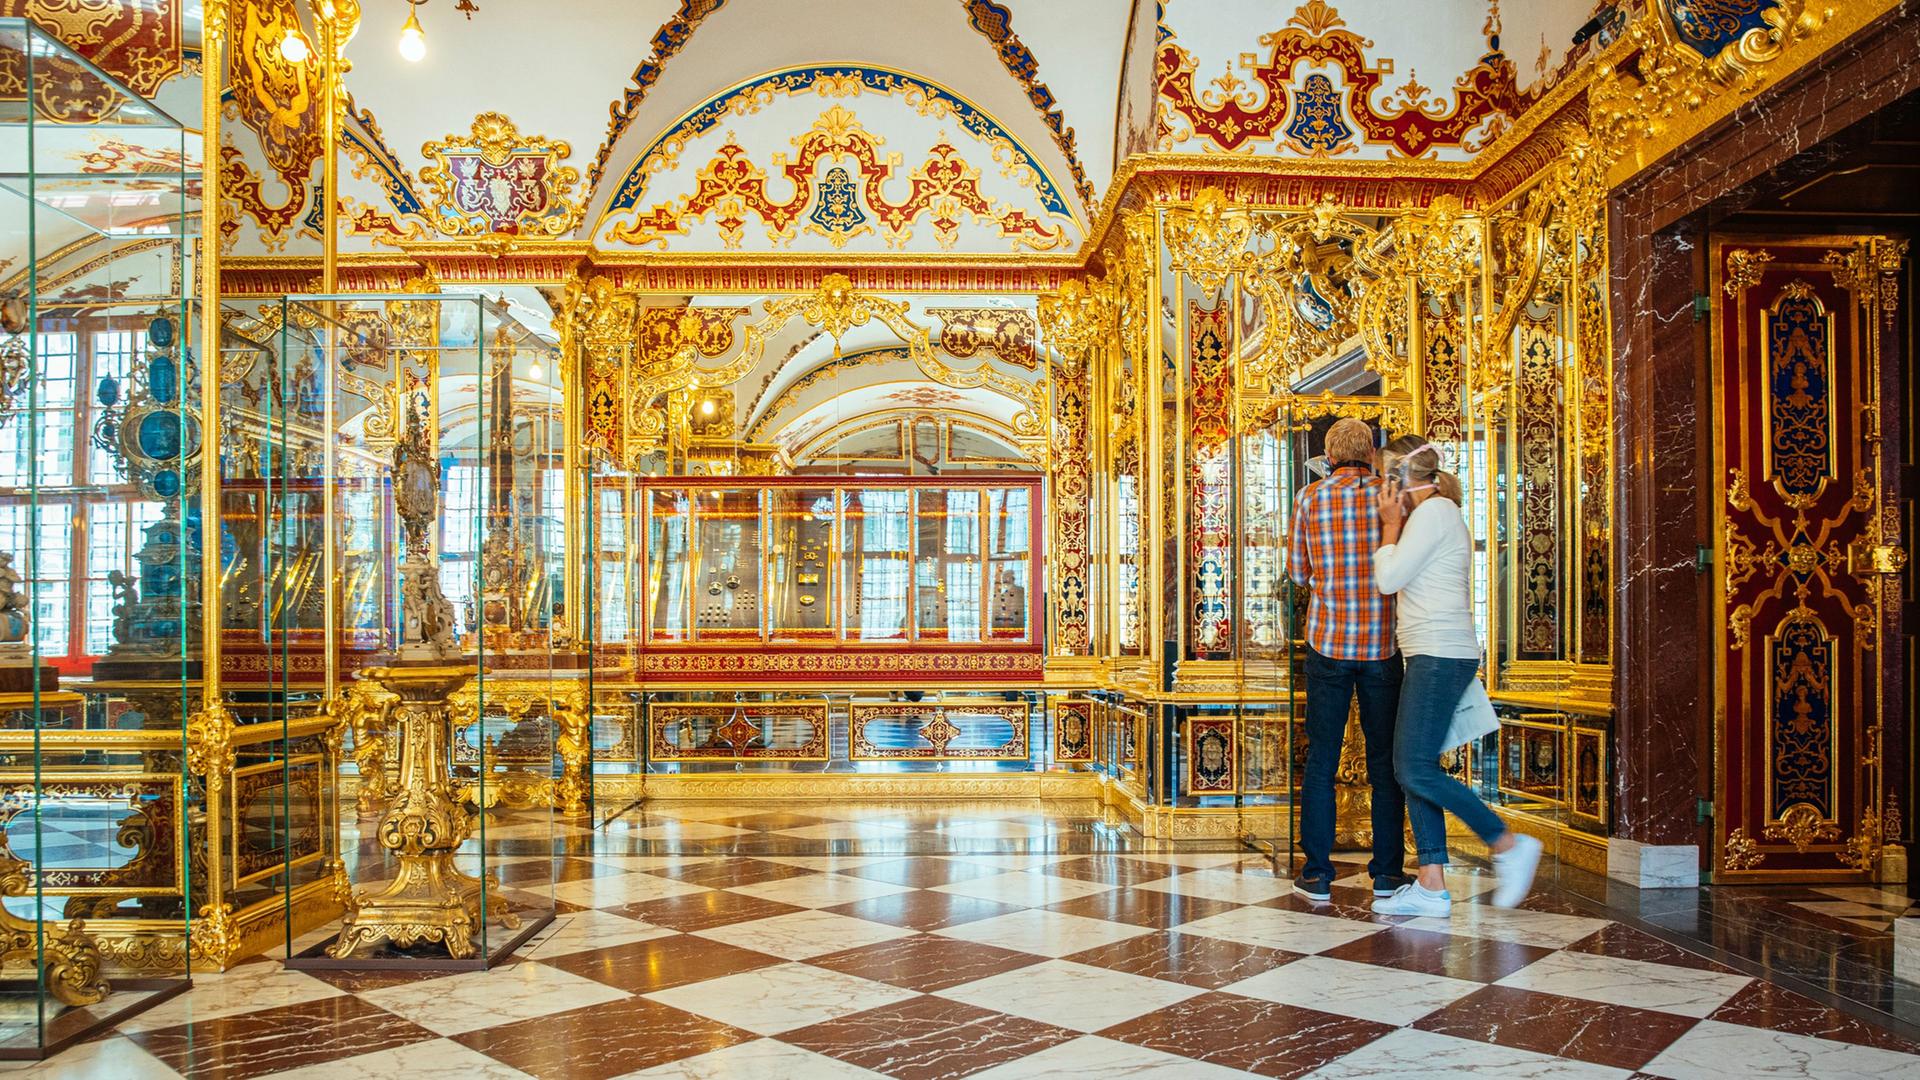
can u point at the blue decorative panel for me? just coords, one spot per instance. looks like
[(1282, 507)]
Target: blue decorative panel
[(1319, 123), (836, 210), (1799, 393), (1800, 659), (1710, 26)]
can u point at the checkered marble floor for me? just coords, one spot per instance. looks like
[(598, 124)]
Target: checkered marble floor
[(998, 942)]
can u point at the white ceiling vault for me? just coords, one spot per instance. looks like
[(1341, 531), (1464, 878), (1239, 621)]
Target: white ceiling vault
[(859, 126)]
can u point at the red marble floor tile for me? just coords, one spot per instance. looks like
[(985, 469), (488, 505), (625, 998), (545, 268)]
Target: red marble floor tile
[(642, 967), (1347, 903), (923, 873), (1262, 1037), (522, 872), (602, 1041), (1186, 958), (1776, 1008), (272, 1040), (727, 873), (1476, 959), (922, 910), (1625, 943), (1611, 1035), (1110, 869), (926, 962), (1143, 907), (703, 911), (928, 1038)]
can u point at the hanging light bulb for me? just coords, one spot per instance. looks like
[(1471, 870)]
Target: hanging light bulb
[(535, 371), (294, 47), (413, 40)]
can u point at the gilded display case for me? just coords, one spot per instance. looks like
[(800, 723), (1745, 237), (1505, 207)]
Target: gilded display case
[(99, 538), (405, 499)]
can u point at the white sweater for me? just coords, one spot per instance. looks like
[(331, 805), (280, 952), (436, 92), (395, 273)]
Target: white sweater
[(1428, 573)]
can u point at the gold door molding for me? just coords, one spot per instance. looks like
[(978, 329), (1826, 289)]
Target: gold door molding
[(1802, 536)]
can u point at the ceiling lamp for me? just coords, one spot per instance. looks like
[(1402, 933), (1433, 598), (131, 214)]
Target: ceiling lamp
[(536, 372), (413, 40), (294, 47)]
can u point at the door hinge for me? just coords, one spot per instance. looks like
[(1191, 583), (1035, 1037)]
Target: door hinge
[(1702, 558), (1702, 306), (1702, 811)]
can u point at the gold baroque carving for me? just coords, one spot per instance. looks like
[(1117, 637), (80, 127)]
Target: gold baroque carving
[(1741, 853)]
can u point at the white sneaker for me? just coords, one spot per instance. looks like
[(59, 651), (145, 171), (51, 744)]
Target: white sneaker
[(1514, 868), (1414, 900)]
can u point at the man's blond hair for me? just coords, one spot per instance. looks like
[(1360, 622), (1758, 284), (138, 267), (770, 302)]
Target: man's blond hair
[(1349, 440)]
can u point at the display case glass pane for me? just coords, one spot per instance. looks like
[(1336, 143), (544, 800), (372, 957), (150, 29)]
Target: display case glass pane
[(668, 564), (800, 563), (1010, 561), (948, 566), (878, 563), (727, 587)]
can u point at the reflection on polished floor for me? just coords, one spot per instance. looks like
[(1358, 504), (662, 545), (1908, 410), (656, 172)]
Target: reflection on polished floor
[(1003, 940)]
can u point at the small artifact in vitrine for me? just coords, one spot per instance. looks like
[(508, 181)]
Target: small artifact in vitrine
[(806, 599), (733, 581), (809, 578)]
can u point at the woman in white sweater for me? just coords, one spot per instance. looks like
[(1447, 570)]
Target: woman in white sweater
[(1425, 562)]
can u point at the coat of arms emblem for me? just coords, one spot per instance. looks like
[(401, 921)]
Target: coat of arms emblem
[(496, 180)]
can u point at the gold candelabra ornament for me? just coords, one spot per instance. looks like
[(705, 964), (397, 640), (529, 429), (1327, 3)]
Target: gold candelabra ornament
[(425, 821)]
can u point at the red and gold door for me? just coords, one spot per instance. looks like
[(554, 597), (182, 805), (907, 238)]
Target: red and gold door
[(1804, 538)]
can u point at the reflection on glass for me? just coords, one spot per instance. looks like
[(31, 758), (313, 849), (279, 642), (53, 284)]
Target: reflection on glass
[(800, 563), (727, 582), (667, 565), (947, 566), (1009, 552), (877, 567)]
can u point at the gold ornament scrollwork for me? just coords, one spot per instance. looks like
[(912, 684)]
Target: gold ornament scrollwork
[(1741, 853), (1802, 826)]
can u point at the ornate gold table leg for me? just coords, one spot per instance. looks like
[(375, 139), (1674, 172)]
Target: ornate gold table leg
[(571, 717), (424, 825)]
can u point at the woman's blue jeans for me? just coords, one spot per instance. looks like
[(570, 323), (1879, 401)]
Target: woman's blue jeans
[(1429, 695)]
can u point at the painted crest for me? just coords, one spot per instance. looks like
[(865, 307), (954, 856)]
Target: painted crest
[(496, 180)]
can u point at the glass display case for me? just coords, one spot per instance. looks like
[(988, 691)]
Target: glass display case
[(415, 453), (99, 521), (798, 561)]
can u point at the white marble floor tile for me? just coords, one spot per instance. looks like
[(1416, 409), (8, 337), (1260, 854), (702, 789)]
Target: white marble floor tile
[(1203, 860), (1368, 991), (593, 930), (996, 830), (617, 889), (826, 863), (1293, 931), (800, 934), (820, 890), (686, 830), (781, 998), (1012, 861), (1717, 1051), (1867, 894), (440, 1059), (1071, 995), (473, 1000), (1240, 888), (761, 1059), (120, 1059), (1043, 933), (1684, 991), (262, 985), (1030, 888), (643, 863), (848, 830), (1090, 1056), (1408, 1054), (1544, 929)]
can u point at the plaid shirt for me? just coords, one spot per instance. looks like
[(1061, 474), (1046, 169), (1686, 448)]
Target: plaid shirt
[(1335, 532)]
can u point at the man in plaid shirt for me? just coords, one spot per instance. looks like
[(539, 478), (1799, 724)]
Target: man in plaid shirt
[(1350, 651)]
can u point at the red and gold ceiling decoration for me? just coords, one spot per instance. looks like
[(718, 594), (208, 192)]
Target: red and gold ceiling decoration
[(1331, 109), (138, 44)]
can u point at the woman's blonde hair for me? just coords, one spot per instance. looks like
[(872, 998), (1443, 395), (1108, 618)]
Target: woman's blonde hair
[(1422, 463)]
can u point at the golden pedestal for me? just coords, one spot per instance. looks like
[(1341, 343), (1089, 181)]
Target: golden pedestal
[(424, 825)]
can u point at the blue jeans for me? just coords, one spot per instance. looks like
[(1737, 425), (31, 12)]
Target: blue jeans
[(1428, 699), (1331, 687)]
